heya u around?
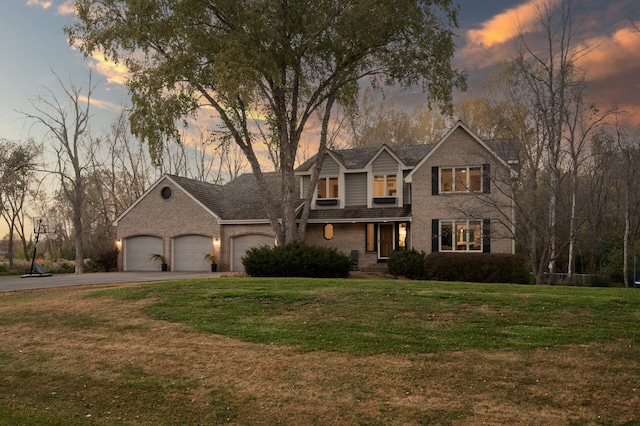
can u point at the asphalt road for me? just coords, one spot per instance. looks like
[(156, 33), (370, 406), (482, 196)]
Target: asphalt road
[(32, 283)]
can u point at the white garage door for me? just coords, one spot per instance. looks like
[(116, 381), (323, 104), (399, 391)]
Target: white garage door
[(245, 242), (137, 251), (189, 251)]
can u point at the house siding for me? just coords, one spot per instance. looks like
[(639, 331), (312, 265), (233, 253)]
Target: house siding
[(460, 149), (385, 163), (329, 167), (406, 190), (356, 189), (304, 186)]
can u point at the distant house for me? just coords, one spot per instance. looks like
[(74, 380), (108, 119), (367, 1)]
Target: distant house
[(447, 196)]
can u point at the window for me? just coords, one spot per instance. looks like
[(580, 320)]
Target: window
[(461, 179), (328, 188), (460, 235), (327, 232), (402, 236), (165, 193), (371, 237), (384, 186)]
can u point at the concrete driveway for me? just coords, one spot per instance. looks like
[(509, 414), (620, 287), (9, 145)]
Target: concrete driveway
[(17, 283)]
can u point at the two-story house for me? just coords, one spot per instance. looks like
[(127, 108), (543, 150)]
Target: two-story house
[(453, 195)]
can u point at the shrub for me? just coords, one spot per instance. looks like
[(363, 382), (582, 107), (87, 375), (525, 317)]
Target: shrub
[(477, 267), (407, 263), (296, 260)]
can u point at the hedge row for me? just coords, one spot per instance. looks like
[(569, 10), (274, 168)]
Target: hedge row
[(296, 260), (477, 267)]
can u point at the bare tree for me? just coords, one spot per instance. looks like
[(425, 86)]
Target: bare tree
[(375, 122), (555, 89), (66, 121), (628, 145)]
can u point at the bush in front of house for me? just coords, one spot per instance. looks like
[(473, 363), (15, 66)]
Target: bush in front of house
[(296, 260), (407, 263), (477, 267)]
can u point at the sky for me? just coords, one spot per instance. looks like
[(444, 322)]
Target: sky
[(34, 47)]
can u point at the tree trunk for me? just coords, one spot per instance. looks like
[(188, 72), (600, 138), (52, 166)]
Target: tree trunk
[(627, 230), (77, 224), (572, 230)]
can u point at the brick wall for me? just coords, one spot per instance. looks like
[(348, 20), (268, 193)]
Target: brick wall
[(167, 219), (460, 149), (346, 237)]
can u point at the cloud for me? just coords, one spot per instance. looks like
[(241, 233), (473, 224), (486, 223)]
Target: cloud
[(612, 69), (506, 25), (612, 55), (66, 8), (114, 73), (39, 3), (102, 104), (486, 45)]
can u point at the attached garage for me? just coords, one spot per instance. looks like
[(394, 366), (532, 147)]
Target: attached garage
[(189, 251), (241, 244), (137, 251)]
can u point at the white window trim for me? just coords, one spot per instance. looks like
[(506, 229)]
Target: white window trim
[(453, 223), (385, 187), (453, 180), (327, 186)]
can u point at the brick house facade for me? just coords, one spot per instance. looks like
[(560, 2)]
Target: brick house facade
[(452, 195)]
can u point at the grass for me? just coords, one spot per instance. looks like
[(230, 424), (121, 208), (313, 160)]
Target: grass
[(305, 351), (373, 317)]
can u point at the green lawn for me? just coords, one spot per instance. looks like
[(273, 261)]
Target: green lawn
[(386, 316), (250, 351)]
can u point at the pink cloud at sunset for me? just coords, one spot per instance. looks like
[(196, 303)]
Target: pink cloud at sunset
[(506, 25)]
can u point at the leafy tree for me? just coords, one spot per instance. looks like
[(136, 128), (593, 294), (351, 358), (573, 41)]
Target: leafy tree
[(17, 163), (267, 67)]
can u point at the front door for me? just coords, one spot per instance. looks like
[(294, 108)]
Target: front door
[(385, 242)]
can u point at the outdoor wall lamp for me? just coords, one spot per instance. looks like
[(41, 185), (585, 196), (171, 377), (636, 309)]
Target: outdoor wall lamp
[(119, 244)]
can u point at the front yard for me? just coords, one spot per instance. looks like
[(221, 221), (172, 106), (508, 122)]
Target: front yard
[(304, 351)]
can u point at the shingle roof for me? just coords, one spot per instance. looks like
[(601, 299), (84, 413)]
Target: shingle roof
[(242, 199), (360, 212), (209, 194), (357, 158), (508, 149)]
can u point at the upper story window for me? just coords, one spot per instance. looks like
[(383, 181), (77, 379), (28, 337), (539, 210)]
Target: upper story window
[(461, 179), (384, 186), (328, 187)]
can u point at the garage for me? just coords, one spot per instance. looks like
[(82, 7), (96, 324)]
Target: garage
[(137, 251), (243, 243), (189, 251)]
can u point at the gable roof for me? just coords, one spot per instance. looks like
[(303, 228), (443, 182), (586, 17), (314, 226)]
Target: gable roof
[(358, 158), (203, 193), (505, 146), (238, 200), (207, 194), (242, 200)]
